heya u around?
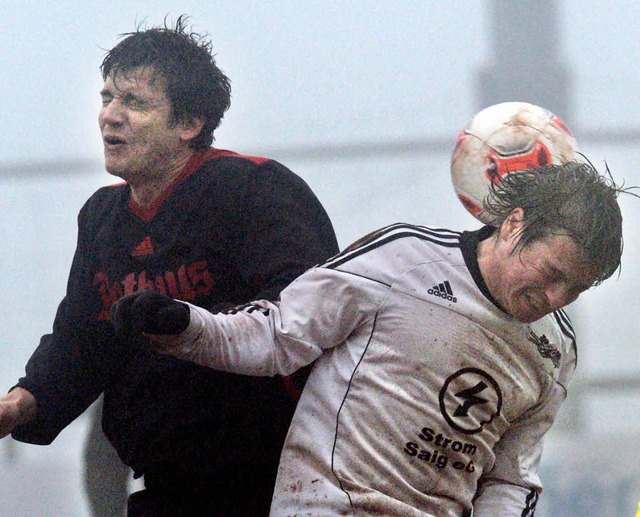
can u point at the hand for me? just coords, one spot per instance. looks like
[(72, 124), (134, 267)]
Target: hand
[(16, 407), (149, 312)]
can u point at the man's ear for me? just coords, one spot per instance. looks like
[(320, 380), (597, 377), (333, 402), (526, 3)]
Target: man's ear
[(191, 129), (512, 225)]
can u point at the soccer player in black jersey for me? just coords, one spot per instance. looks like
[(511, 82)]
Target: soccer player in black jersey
[(200, 224)]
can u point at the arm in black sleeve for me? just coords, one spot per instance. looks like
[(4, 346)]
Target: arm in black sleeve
[(288, 230), (70, 367)]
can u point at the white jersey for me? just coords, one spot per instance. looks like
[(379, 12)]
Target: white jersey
[(426, 398)]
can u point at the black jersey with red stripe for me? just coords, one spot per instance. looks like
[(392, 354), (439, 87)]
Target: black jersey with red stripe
[(229, 230)]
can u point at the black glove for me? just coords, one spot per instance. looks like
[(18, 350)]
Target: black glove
[(151, 312)]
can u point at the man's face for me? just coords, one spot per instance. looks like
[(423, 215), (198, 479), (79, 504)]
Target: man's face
[(139, 140), (544, 276)]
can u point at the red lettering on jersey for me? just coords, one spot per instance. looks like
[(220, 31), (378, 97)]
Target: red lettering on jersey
[(109, 293), (160, 286), (143, 283), (172, 284), (130, 282), (187, 292), (186, 283)]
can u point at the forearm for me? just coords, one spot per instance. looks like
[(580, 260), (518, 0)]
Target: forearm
[(318, 311), (250, 342)]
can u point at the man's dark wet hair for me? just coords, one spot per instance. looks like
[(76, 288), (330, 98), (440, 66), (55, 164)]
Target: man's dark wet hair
[(196, 87), (571, 199)]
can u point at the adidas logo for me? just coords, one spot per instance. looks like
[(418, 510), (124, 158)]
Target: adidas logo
[(144, 248), (443, 290)]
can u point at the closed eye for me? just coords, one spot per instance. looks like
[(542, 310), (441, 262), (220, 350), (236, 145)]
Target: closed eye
[(106, 97)]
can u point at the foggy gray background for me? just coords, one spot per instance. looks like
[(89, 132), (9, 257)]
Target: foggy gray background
[(316, 75)]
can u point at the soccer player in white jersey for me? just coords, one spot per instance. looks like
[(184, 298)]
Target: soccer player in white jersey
[(441, 357)]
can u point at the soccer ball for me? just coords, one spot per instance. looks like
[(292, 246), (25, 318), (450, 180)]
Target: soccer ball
[(502, 139)]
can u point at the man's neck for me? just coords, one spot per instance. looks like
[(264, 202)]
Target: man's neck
[(485, 256), (145, 189)]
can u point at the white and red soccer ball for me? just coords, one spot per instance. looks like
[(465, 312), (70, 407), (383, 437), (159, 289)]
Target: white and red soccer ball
[(502, 139)]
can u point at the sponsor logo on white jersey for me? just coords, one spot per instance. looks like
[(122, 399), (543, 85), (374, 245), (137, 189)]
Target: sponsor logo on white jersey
[(443, 290)]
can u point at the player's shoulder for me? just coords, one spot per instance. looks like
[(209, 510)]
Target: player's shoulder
[(104, 200), (400, 243), (214, 153), (223, 159), (108, 193), (555, 339), (405, 235), (561, 319), (256, 175), (567, 335)]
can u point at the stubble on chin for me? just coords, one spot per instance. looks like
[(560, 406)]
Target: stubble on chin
[(111, 169), (115, 170)]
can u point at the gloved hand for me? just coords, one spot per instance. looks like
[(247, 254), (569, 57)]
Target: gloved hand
[(149, 312)]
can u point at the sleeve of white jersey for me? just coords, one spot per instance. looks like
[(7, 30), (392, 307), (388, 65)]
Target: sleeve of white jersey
[(512, 487), (318, 311)]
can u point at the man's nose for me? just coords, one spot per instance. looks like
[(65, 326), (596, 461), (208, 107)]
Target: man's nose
[(112, 113)]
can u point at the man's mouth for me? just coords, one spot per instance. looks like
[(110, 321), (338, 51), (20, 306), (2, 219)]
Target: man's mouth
[(111, 141)]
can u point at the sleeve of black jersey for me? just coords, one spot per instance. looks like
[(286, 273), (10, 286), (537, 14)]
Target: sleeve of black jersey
[(69, 368), (288, 232)]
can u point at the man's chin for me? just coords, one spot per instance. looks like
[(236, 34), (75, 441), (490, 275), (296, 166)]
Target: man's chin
[(113, 168), (529, 316)]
